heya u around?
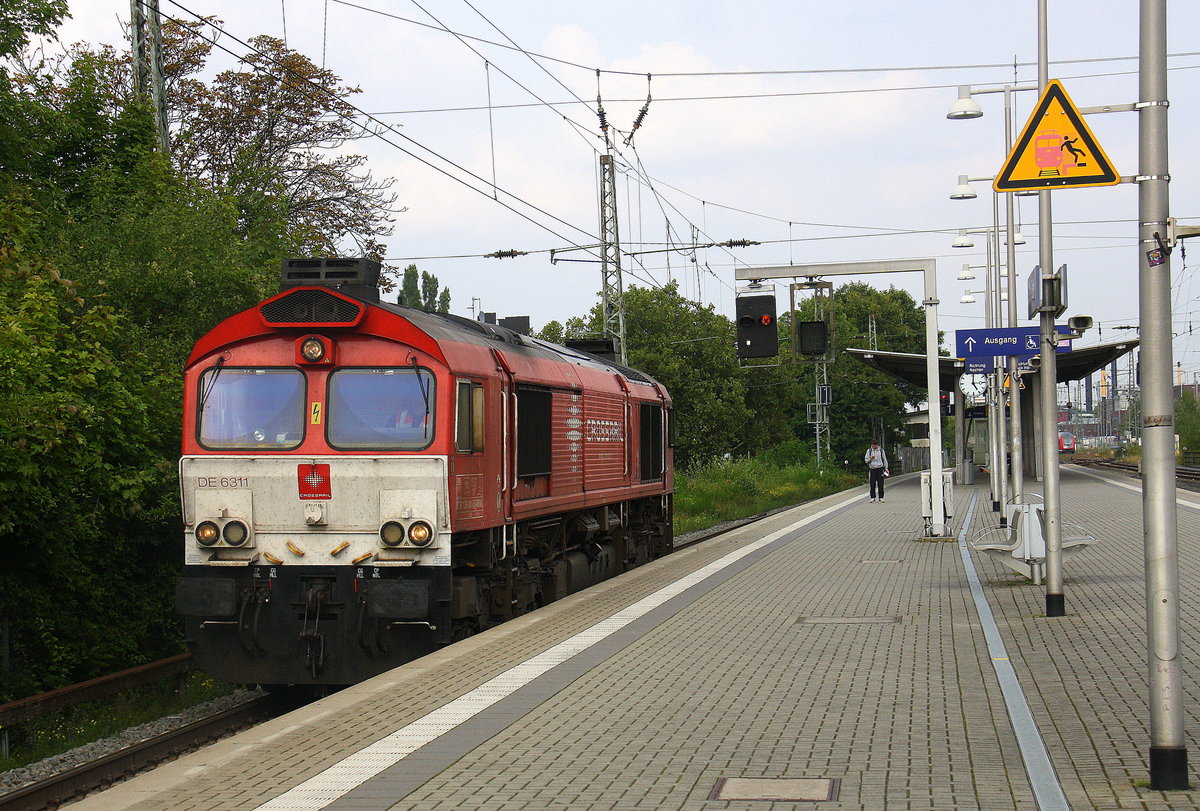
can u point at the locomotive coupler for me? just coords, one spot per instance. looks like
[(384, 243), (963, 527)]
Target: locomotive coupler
[(253, 600), (315, 596)]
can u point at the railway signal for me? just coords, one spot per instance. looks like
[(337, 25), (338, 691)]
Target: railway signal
[(757, 329)]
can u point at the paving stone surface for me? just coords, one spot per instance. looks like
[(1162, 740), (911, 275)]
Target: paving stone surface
[(851, 652)]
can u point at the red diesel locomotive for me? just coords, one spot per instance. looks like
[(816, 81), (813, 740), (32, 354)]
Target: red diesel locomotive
[(363, 482)]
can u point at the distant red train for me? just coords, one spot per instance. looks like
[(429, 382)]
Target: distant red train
[(1066, 442), (362, 482)]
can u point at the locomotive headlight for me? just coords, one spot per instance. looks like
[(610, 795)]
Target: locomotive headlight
[(235, 533), (420, 533), (313, 350), (391, 533), (207, 533)]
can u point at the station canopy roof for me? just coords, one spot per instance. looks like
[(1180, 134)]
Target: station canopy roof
[(910, 368)]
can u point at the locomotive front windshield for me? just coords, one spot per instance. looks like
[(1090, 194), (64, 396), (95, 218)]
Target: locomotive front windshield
[(381, 409), (251, 408)]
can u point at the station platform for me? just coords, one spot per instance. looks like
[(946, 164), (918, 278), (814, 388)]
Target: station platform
[(823, 658)]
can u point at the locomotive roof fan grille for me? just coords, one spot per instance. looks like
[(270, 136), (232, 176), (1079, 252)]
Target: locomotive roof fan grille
[(358, 278)]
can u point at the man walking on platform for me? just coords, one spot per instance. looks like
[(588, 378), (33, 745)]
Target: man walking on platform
[(877, 466)]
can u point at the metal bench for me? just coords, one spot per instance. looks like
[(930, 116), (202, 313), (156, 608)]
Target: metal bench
[(1023, 549)]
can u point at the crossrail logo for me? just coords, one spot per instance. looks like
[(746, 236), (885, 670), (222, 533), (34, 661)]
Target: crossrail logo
[(314, 481)]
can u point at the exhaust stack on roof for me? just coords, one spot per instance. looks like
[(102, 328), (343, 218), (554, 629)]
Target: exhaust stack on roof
[(354, 277)]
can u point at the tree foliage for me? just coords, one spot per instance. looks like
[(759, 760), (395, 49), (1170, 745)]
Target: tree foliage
[(868, 404), (271, 135), (1187, 421), (82, 455), (21, 19), (419, 290)]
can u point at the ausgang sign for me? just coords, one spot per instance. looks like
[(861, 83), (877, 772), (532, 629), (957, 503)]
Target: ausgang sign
[(971, 343)]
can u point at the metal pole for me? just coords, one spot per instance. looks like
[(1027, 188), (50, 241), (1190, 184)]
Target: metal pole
[(960, 418), (612, 289), (1168, 750), (1001, 368), (158, 92), (1017, 480), (938, 526), (993, 395), (1055, 600)]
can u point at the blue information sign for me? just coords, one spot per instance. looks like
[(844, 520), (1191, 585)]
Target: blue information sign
[(976, 343)]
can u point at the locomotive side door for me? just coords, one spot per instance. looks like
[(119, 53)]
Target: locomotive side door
[(476, 453), (506, 477)]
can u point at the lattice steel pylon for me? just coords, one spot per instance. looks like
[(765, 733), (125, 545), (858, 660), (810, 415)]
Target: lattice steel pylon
[(145, 29), (612, 290)]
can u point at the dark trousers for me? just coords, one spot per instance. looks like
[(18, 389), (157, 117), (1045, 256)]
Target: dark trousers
[(876, 481)]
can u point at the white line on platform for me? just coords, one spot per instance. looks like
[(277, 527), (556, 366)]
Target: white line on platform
[(1047, 790), (341, 778)]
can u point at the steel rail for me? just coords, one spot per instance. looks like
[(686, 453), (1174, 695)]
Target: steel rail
[(27, 709), (1182, 472), (61, 787)]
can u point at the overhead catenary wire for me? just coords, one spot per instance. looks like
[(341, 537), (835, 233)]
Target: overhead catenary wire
[(712, 73), (314, 86), (599, 110), (632, 178)]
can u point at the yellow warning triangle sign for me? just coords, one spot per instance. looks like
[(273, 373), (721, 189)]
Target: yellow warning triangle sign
[(1056, 149)]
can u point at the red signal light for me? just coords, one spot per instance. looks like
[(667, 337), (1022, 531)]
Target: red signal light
[(766, 320)]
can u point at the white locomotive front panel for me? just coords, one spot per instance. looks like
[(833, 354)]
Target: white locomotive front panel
[(338, 510), (314, 570)]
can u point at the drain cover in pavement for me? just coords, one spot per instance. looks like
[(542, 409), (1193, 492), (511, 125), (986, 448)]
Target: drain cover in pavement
[(776, 788)]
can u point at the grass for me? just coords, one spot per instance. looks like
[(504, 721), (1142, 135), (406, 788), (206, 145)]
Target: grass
[(58, 732), (727, 490)]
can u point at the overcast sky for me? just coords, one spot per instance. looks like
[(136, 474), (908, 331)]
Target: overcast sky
[(817, 129)]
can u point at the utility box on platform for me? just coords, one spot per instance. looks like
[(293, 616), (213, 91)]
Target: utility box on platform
[(947, 494)]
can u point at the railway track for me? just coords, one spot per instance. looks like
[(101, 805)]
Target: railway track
[(1185, 474), (60, 788)]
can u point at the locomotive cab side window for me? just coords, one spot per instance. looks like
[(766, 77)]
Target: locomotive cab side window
[(533, 432), (651, 442), (381, 409), (245, 409), (468, 434)]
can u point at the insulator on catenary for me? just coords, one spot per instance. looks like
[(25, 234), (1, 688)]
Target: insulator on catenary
[(509, 254)]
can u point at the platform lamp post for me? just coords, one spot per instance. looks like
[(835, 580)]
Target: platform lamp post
[(994, 394), (996, 426), (996, 477), (965, 470), (963, 191), (965, 107)]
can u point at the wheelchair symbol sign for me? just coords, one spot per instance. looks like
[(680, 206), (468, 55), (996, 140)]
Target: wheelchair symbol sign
[(1031, 342)]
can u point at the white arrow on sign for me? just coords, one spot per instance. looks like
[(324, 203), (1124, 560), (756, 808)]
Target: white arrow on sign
[(970, 342)]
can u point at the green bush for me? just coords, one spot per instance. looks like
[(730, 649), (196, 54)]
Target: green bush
[(725, 490)]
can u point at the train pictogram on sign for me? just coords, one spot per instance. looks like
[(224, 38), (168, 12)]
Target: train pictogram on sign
[(1055, 150)]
